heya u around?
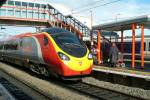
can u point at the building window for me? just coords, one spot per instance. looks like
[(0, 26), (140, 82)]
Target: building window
[(17, 3), (24, 4), (31, 4), (10, 2)]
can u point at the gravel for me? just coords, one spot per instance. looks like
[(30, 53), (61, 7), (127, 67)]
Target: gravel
[(137, 92)]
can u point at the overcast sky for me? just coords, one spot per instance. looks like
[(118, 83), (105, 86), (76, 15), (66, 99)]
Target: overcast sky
[(104, 11)]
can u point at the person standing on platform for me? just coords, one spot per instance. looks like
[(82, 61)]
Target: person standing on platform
[(113, 55), (105, 51), (94, 52)]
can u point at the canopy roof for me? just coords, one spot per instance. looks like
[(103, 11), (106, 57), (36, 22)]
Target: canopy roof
[(124, 24)]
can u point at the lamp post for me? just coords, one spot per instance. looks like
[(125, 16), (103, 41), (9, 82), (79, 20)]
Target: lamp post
[(117, 17), (91, 19)]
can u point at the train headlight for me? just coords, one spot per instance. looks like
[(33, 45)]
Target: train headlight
[(90, 56), (63, 56)]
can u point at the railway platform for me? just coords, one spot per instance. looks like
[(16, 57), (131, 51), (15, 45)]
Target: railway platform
[(138, 73), (125, 76)]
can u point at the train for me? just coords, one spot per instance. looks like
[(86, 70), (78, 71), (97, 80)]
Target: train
[(51, 51), (127, 48), (127, 45)]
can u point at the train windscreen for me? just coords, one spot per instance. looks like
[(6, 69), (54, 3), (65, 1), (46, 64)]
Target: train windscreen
[(68, 42)]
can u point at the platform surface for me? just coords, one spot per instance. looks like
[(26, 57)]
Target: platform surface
[(123, 71)]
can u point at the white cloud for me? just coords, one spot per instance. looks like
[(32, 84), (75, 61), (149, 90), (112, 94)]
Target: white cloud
[(124, 9), (62, 8), (67, 10)]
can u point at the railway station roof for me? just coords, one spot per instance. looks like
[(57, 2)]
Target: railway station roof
[(124, 24)]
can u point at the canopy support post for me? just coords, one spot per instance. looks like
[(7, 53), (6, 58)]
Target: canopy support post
[(122, 42), (133, 44), (142, 45), (99, 46)]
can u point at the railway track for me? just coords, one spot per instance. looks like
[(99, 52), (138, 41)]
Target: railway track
[(42, 87), (98, 92), (14, 91), (11, 83), (82, 88)]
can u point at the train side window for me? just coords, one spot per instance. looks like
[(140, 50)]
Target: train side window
[(45, 40), (1, 47), (144, 46), (149, 47), (21, 43)]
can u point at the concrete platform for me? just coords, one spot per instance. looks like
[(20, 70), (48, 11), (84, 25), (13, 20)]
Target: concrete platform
[(123, 71), (138, 66)]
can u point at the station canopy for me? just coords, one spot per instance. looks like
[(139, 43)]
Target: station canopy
[(124, 24)]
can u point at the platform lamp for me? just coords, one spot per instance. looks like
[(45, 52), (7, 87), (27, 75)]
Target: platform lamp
[(117, 17)]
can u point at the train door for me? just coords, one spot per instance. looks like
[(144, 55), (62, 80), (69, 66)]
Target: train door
[(45, 48), (148, 51), (145, 48)]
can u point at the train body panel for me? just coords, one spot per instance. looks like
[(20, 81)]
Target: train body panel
[(128, 48), (23, 48)]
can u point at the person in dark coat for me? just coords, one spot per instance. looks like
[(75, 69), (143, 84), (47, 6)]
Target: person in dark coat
[(105, 50), (113, 54)]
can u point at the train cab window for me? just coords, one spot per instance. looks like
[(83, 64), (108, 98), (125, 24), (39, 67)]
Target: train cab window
[(45, 40)]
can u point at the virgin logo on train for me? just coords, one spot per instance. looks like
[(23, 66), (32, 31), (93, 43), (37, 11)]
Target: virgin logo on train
[(80, 63)]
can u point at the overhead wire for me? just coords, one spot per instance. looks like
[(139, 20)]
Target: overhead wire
[(87, 5), (87, 9)]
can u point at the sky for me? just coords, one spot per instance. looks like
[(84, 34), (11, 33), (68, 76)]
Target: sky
[(103, 11)]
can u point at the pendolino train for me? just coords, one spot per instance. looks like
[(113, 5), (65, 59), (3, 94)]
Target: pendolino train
[(52, 51)]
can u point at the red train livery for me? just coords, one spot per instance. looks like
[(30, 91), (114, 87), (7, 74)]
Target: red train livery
[(52, 51)]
